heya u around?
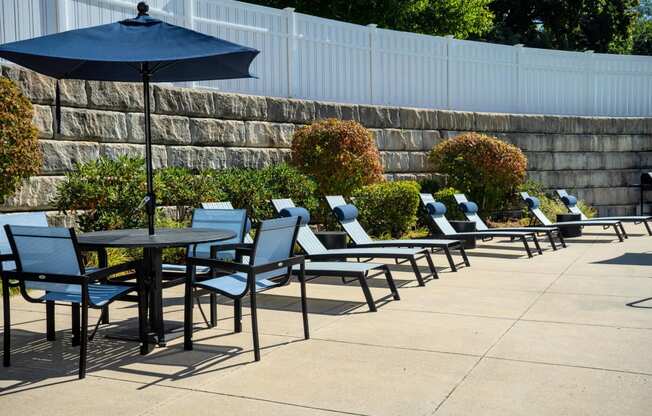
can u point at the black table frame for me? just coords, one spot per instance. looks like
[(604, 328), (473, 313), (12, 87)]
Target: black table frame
[(152, 262)]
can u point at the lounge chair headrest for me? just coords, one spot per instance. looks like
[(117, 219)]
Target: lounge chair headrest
[(569, 200), (533, 202), (296, 212), (469, 207), (436, 208), (346, 212)]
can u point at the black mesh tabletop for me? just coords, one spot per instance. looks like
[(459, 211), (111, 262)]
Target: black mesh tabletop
[(164, 237)]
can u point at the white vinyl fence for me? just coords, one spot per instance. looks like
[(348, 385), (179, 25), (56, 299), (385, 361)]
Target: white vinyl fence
[(309, 57)]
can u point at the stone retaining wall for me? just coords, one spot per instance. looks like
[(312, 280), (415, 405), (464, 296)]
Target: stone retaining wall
[(599, 158)]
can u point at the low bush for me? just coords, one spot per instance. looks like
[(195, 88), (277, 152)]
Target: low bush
[(388, 208), (20, 154), (184, 189), (486, 169)]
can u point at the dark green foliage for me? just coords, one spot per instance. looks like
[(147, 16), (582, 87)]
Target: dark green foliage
[(388, 208), (20, 154)]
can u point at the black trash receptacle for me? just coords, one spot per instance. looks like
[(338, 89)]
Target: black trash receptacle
[(332, 240), (465, 227), (570, 230)]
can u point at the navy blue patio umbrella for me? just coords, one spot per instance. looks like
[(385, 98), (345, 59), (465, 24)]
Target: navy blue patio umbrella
[(142, 49)]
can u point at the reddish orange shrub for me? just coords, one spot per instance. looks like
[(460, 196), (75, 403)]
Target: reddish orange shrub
[(488, 170)]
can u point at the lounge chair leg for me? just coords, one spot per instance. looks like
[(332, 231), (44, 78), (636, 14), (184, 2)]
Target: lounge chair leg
[(6, 316), (49, 321), (451, 262), (304, 301), (391, 284), (622, 229), (83, 350), (75, 324), (464, 256), (536, 244), (431, 266), (561, 239), (187, 310), (237, 315), (213, 307), (647, 226), (105, 315), (620, 237), (527, 247), (417, 272), (551, 239), (367, 293), (254, 324)]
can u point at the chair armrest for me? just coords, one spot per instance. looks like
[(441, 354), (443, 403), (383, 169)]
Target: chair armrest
[(6, 257), (261, 268), (108, 271), (218, 264), (224, 247)]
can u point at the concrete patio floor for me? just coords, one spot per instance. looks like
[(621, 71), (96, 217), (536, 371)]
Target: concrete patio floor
[(559, 334)]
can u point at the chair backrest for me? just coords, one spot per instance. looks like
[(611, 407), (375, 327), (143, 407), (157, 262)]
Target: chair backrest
[(470, 210), (229, 205), (306, 238), (37, 219), (571, 203), (234, 220), (533, 205), (437, 213), (347, 217), (274, 242), (45, 250)]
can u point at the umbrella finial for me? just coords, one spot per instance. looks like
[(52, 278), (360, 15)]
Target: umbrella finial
[(142, 8)]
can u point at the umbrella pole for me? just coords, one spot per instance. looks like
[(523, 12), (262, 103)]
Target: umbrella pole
[(151, 199)]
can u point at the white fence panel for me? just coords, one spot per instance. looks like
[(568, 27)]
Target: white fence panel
[(309, 57)]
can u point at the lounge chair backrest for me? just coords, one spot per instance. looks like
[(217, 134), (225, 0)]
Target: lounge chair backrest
[(439, 218), (470, 212), (571, 203), (234, 220), (533, 205), (350, 223), (228, 205), (274, 242), (306, 238)]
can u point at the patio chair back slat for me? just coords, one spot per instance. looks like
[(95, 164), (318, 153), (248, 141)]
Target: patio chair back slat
[(440, 220), (352, 227), (226, 205), (572, 209), (37, 219), (274, 242), (538, 214), (471, 216), (230, 219)]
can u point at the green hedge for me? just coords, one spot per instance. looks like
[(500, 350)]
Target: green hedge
[(388, 208)]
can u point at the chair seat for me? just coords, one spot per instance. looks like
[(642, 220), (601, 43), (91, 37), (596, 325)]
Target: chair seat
[(426, 242), (181, 268), (234, 284), (99, 294), (367, 252), (337, 266)]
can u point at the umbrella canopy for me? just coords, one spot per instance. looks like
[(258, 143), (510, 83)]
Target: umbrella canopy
[(142, 49)]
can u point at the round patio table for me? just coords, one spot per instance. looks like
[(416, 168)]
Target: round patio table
[(152, 246)]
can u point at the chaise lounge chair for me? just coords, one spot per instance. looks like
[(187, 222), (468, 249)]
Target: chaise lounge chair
[(314, 269), (437, 213), (470, 210), (347, 215), (315, 250), (533, 205), (571, 203)]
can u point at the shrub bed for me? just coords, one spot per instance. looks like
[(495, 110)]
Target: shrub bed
[(388, 209)]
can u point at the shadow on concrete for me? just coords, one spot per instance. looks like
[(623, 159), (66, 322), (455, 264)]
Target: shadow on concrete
[(629, 259)]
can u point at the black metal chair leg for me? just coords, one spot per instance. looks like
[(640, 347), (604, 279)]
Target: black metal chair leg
[(187, 313), (536, 244), (551, 239), (367, 293), (6, 316), (142, 319), (451, 262), (561, 239), (49, 321), (254, 324), (304, 301), (83, 350), (213, 307), (391, 284), (417, 272), (105, 316), (622, 229), (431, 266), (237, 315), (527, 247), (464, 256), (75, 324), (620, 237), (647, 227)]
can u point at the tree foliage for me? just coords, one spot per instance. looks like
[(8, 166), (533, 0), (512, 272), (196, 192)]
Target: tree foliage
[(643, 29)]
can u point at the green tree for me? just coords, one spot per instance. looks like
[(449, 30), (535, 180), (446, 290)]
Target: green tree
[(578, 25), (461, 18), (643, 29)]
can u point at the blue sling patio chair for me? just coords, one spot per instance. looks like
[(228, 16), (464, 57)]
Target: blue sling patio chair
[(49, 259), (271, 261), (359, 272), (437, 215), (316, 251), (571, 203), (470, 211), (347, 216), (224, 219), (534, 205)]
